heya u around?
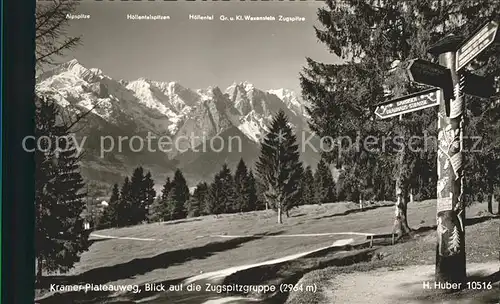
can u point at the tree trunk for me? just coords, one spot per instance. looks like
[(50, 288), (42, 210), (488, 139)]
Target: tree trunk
[(401, 227), (411, 196), (361, 204), (490, 203), (280, 221), (498, 204), (287, 213), (490, 197)]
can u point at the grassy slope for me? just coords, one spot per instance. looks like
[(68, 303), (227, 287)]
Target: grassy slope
[(184, 248), (197, 233)]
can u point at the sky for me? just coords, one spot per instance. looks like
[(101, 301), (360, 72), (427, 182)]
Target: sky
[(198, 54)]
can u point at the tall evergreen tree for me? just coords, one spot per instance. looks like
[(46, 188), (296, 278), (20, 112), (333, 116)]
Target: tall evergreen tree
[(308, 187), (137, 196), (212, 204), (149, 195), (262, 203), (178, 196), (250, 192), (279, 166), (240, 178), (199, 199), (325, 185), (222, 195), (124, 208), (109, 216), (193, 207), (161, 210), (60, 237)]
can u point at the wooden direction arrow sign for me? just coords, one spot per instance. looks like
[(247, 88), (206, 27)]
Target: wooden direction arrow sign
[(479, 86), (476, 44), (409, 103), (433, 74), (426, 72)]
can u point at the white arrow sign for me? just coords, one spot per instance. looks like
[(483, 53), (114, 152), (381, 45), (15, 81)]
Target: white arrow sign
[(476, 44), (410, 103)]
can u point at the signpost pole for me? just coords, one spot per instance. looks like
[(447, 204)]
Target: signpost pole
[(454, 55), (450, 214)]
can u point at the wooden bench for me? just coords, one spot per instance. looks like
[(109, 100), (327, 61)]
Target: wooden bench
[(371, 237)]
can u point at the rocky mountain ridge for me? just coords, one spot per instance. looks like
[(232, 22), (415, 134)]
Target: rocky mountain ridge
[(186, 116)]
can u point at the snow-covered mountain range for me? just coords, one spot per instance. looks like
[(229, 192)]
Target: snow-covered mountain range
[(121, 108)]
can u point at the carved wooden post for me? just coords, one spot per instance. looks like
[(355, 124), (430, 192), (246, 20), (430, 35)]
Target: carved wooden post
[(450, 217)]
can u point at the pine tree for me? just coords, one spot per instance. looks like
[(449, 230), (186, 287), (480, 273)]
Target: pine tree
[(109, 216), (250, 192), (150, 195), (308, 187), (279, 166), (153, 215), (240, 178), (124, 209), (60, 237), (222, 195), (324, 184), (198, 204), (229, 194), (178, 196), (193, 207), (212, 206), (137, 196), (161, 210), (262, 203)]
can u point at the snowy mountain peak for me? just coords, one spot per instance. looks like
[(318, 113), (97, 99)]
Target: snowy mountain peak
[(247, 86), (208, 93), (76, 67), (169, 88), (139, 84), (160, 106), (230, 89), (143, 80), (172, 85), (72, 68), (72, 62), (279, 92), (96, 71)]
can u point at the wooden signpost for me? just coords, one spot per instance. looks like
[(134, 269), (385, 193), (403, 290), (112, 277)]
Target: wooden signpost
[(453, 55), (409, 103), (479, 86), (476, 44), (432, 74)]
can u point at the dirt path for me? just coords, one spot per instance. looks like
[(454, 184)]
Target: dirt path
[(215, 277), (401, 286), (101, 236), (219, 275), (296, 235)]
